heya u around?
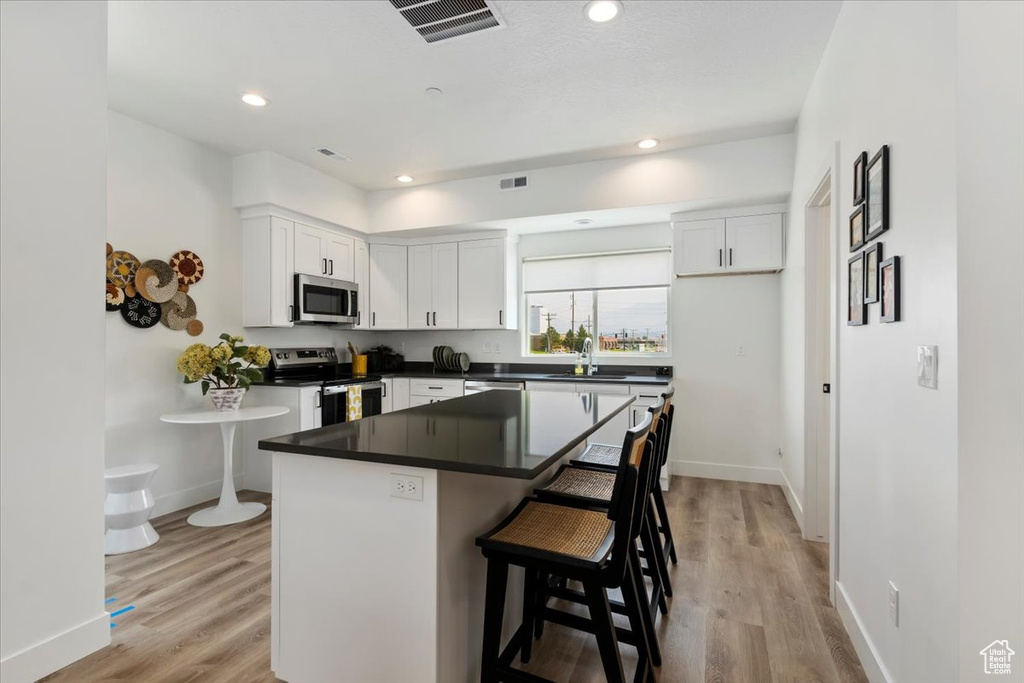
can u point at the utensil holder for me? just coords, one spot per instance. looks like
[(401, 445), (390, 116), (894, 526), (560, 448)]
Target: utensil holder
[(359, 364)]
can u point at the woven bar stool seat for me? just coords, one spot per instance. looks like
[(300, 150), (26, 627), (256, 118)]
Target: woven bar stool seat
[(557, 529), (600, 454), (581, 483)]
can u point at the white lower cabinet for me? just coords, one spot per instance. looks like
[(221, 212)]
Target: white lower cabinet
[(304, 413), (387, 396), (423, 391), (611, 432), (399, 393)]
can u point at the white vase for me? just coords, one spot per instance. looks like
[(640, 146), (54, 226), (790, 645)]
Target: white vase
[(226, 399)]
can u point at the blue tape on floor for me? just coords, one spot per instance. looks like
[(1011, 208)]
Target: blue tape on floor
[(109, 600), (121, 611), (113, 625)]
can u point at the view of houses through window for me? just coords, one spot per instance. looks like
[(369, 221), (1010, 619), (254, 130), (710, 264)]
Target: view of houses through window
[(617, 320)]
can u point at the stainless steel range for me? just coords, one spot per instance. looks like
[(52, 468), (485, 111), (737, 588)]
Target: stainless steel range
[(320, 364)]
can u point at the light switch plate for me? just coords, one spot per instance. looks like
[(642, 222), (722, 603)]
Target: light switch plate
[(928, 366)]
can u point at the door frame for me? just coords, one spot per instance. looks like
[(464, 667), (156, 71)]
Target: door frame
[(826, 192)]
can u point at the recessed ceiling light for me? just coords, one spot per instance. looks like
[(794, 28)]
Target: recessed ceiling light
[(648, 143), (600, 11), (583, 221), (254, 100), (404, 178)]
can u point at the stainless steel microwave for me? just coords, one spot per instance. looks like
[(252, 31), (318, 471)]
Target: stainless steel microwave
[(321, 300)]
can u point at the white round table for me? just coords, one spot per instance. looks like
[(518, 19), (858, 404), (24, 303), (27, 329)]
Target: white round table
[(228, 510)]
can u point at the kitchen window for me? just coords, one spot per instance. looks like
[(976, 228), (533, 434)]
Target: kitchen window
[(619, 301)]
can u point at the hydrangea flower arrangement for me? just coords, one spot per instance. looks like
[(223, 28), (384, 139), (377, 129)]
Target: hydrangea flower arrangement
[(227, 365)]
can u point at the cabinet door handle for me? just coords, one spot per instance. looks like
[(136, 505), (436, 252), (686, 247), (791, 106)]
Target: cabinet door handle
[(436, 388), (384, 390), (435, 318), (428, 318), (330, 264), (499, 317), (359, 318), (374, 322), (291, 313), (319, 399), (719, 258), (730, 256)]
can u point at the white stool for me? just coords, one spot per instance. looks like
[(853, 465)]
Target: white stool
[(127, 507)]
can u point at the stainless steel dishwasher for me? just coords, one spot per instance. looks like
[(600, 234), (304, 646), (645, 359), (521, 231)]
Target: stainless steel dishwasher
[(476, 386)]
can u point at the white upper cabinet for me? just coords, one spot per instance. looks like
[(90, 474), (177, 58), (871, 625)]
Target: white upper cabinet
[(699, 246), (754, 242), (486, 285), (434, 286), (267, 272), (361, 276), (389, 278), (323, 253), (734, 244)]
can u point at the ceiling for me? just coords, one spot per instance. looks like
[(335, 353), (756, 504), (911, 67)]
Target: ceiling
[(549, 88)]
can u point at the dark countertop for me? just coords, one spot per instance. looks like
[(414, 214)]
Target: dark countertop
[(500, 433)]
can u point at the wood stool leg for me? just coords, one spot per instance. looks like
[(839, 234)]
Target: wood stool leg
[(646, 613), (650, 554), (658, 551), (645, 663), (542, 601), (494, 611), (530, 589), (666, 528), (604, 631)]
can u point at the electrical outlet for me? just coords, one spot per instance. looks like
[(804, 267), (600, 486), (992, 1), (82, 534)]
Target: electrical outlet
[(406, 486), (487, 347), (894, 604), (740, 351), (497, 347)]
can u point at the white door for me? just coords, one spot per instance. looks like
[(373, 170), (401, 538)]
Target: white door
[(482, 284), (282, 272), (445, 294), (698, 246), (361, 276), (421, 286), (754, 242), (340, 253), (399, 393), (310, 250), (310, 416), (387, 397), (389, 276)]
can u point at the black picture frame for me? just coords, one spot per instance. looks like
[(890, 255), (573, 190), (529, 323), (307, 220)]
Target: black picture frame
[(856, 309), (872, 268), (858, 228), (860, 167), (889, 289), (876, 190)]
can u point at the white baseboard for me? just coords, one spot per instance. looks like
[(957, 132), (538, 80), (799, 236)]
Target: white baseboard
[(794, 502), (42, 659), (714, 470), (869, 659), (179, 500)]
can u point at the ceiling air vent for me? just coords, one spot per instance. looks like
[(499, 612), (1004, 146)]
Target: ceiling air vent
[(438, 20), (519, 182), (331, 154)]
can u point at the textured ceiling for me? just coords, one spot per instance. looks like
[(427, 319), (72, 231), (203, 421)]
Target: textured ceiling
[(550, 88)]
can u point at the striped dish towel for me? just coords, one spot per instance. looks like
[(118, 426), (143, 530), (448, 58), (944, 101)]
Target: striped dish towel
[(354, 403)]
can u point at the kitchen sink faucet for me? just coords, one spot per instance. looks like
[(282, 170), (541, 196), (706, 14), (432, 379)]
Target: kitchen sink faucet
[(588, 352)]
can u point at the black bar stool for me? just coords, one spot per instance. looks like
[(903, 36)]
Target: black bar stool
[(596, 548), (580, 486), (606, 455)]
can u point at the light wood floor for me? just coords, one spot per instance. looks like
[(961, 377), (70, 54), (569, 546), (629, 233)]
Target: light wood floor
[(751, 602)]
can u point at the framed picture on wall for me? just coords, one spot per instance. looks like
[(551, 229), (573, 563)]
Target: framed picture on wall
[(860, 168), (889, 284), (857, 228), (872, 259), (877, 185), (856, 309)]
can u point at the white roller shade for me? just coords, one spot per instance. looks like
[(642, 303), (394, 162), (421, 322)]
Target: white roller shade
[(599, 271)]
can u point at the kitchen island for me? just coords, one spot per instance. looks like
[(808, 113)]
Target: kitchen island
[(375, 575)]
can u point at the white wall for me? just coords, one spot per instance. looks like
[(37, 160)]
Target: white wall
[(269, 178), (990, 323), (728, 404), (167, 193), (53, 90), (888, 77), (749, 170)]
